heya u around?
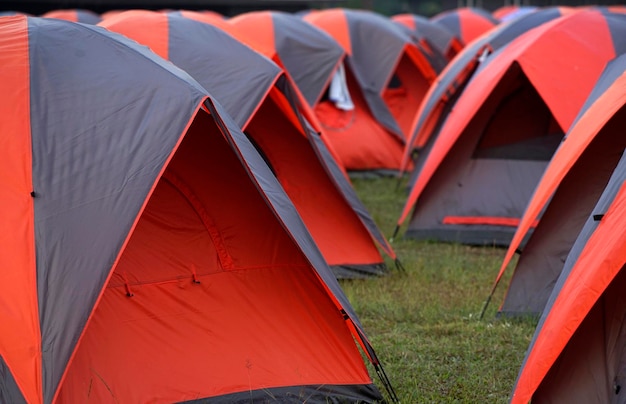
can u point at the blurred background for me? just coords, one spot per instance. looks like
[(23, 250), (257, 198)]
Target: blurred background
[(425, 8)]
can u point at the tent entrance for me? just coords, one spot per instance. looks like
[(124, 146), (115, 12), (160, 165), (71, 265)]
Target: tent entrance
[(222, 299)]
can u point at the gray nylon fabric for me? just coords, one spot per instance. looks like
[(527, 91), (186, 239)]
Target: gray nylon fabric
[(436, 35), (237, 76), (542, 260), (377, 44), (101, 133), (606, 200), (309, 54), (451, 22), (9, 392)]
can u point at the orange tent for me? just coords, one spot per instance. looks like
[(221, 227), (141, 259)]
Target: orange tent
[(386, 76), (566, 194), (578, 351), (264, 103), (74, 15), (466, 23), (431, 35), (480, 172), (149, 254)]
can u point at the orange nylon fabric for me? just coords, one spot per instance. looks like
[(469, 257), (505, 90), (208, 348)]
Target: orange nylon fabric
[(157, 38), (579, 137), (208, 17), (405, 19), (267, 322), (595, 51), (67, 15), (600, 261), (416, 75), (527, 50), (20, 343), (495, 221), (334, 22), (256, 29), (316, 198), (472, 25)]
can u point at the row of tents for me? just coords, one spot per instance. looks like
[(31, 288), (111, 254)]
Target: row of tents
[(184, 205), (519, 146), (177, 210)]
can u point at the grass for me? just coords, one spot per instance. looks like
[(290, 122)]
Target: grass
[(424, 323)]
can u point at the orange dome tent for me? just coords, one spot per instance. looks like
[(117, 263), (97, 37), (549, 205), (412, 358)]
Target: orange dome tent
[(149, 253), (263, 102)]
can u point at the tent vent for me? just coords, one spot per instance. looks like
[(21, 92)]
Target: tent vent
[(33, 194), (598, 217)]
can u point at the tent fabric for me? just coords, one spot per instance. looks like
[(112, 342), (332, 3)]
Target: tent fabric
[(308, 54), (450, 83), (435, 36), (584, 161), (387, 76), (74, 15), (577, 351), (530, 75), (466, 23), (110, 154), (346, 238)]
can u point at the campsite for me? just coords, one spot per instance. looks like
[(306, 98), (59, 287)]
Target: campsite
[(329, 204)]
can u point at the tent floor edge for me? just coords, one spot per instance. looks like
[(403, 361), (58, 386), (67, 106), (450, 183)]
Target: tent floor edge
[(352, 271), (323, 394)]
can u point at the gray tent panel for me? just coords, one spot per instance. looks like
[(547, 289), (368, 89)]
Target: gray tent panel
[(228, 61), (112, 136), (377, 45), (309, 54), (541, 262), (9, 392)]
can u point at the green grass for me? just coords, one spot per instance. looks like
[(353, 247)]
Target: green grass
[(424, 323)]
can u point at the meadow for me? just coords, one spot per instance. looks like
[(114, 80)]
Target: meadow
[(424, 321)]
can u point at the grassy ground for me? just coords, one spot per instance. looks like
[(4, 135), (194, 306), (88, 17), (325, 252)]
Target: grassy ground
[(424, 323)]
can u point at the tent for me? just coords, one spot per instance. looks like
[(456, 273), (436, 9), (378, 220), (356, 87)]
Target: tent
[(308, 54), (511, 12), (466, 23), (578, 351), (149, 255), (75, 15), (442, 95), (494, 145), (430, 34), (386, 76), (566, 194), (257, 94)]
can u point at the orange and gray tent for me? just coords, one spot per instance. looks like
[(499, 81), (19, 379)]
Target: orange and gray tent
[(386, 76), (258, 95), (149, 254), (566, 194), (466, 23), (74, 15), (308, 54), (449, 85), (511, 12), (578, 351), (431, 35), (494, 146)]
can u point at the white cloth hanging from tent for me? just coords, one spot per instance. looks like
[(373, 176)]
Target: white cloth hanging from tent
[(338, 92)]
